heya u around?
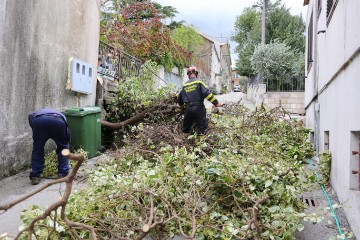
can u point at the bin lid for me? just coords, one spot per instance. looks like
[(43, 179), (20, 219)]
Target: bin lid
[(81, 111)]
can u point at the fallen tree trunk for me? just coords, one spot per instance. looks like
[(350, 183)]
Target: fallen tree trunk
[(154, 110)]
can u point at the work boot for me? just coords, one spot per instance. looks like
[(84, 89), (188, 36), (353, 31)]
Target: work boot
[(35, 180), (62, 175)]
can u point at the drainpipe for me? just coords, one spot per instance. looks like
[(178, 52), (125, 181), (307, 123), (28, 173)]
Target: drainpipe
[(316, 79)]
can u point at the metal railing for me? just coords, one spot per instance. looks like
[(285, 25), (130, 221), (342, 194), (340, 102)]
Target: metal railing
[(275, 85), (291, 85), (116, 64)]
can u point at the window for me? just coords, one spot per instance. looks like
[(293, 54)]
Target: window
[(312, 137), (326, 140), (355, 160), (330, 8), (310, 43), (235, 75)]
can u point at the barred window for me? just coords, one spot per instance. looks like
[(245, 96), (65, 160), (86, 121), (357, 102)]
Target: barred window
[(330, 8)]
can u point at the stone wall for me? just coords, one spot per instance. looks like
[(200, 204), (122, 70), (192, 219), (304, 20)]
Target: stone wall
[(291, 101)]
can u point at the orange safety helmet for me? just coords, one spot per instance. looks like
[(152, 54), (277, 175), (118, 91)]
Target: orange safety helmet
[(191, 70)]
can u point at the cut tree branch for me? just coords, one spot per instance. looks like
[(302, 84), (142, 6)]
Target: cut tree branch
[(155, 110), (60, 203)]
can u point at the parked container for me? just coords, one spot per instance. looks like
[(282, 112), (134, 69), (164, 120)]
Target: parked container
[(85, 126)]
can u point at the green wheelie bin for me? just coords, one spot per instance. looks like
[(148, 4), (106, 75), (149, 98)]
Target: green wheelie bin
[(85, 127)]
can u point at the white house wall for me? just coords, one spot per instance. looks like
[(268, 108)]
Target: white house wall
[(338, 88), (340, 116), (163, 78), (217, 69), (215, 66)]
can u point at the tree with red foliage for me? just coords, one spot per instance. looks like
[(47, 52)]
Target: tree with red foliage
[(140, 32)]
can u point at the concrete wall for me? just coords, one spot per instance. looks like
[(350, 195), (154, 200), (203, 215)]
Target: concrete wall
[(174, 77), (37, 38), (332, 97)]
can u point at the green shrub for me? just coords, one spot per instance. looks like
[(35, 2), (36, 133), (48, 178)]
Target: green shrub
[(324, 167)]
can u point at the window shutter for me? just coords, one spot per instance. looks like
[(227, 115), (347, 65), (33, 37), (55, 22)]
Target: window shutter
[(330, 8)]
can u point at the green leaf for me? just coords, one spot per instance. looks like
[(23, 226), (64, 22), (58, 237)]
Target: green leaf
[(151, 173), (335, 206), (224, 218), (268, 183), (274, 209), (300, 227), (288, 209)]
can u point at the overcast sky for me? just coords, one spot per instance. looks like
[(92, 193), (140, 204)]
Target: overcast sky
[(216, 18)]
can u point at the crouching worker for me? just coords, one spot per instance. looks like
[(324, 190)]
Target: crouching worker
[(192, 95), (46, 124)]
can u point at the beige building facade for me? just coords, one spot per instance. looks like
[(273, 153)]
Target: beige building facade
[(37, 39), (214, 63)]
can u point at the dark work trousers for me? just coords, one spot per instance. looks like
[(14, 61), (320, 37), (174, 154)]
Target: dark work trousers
[(44, 128), (195, 114)]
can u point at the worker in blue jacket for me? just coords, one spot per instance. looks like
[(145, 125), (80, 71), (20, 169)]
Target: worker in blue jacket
[(192, 96), (46, 124)]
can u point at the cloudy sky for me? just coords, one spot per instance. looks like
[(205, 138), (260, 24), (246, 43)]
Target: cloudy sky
[(216, 18)]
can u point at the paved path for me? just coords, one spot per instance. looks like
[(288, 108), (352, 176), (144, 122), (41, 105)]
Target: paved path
[(232, 97), (327, 228), (16, 186)]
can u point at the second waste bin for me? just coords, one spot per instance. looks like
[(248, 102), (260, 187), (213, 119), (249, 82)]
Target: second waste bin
[(85, 127)]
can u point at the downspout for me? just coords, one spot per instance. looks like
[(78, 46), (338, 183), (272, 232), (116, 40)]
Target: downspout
[(316, 80)]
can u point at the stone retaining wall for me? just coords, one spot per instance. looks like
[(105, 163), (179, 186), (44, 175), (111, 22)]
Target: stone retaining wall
[(291, 101)]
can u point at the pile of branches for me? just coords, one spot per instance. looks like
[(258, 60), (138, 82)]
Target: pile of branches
[(166, 108), (242, 181)]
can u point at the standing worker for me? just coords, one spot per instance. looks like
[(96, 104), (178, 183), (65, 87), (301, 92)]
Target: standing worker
[(46, 124), (192, 95)]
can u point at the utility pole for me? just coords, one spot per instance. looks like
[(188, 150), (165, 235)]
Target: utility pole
[(263, 23)]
